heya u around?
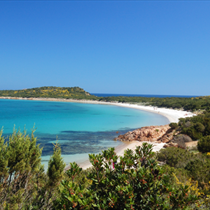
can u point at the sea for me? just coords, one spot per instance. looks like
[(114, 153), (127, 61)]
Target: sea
[(79, 128)]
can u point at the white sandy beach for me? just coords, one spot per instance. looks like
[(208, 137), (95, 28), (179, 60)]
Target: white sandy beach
[(171, 114)]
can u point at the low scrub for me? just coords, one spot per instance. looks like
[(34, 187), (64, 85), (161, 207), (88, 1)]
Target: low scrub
[(135, 182), (197, 166), (204, 144)]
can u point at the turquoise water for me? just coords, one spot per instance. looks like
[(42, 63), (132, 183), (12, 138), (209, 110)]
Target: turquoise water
[(80, 128)]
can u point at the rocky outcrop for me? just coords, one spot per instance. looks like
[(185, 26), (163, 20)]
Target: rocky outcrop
[(164, 134), (149, 133)]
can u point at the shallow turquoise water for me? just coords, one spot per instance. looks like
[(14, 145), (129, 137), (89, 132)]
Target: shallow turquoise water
[(80, 128)]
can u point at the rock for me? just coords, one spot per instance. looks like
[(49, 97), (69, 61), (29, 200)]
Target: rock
[(171, 145), (182, 137), (149, 133), (165, 140), (181, 140)]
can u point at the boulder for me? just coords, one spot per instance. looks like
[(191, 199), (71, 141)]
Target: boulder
[(182, 137)]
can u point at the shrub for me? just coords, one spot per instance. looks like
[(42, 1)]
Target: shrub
[(192, 132), (175, 157), (23, 183), (196, 166), (136, 182), (199, 127), (199, 169), (173, 125), (204, 144)]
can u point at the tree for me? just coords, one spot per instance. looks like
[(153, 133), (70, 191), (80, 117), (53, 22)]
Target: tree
[(23, 182)]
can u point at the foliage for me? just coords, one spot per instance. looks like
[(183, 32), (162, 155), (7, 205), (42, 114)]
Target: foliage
[(173, 125), (196, 166), (23, 183), (136, 182), (196, 127), (175, 157), (191, 170), (204, 144), (204, 197)]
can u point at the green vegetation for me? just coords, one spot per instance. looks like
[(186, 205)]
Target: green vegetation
[(204, 144), (194, 164), (197, 128), (23, 182), (189, 168), (49, 92), (191, 104), (136, 182)]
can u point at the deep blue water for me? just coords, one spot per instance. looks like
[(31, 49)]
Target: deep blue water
[(141, 95), (80, 128)]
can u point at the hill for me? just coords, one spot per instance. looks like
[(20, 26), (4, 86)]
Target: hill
[(49, 92)]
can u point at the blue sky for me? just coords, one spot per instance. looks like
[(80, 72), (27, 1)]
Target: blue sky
[(132, 47)]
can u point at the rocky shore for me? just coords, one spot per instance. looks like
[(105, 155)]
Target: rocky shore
[(157, 134)]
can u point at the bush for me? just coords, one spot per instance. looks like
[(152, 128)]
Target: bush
[(136, 182), (192, 132), (204, 144), (173, 125), (197, 166), (199, 169), (199, 127), (175, 157)]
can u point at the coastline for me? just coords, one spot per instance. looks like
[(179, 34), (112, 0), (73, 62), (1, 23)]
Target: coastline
[(171, 114)]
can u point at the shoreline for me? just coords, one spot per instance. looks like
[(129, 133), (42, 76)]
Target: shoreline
[(171, 114)]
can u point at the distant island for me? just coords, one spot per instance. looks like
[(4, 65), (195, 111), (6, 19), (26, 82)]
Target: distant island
[(188, 104)]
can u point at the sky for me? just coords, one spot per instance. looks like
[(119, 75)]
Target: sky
[(124, 47)]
